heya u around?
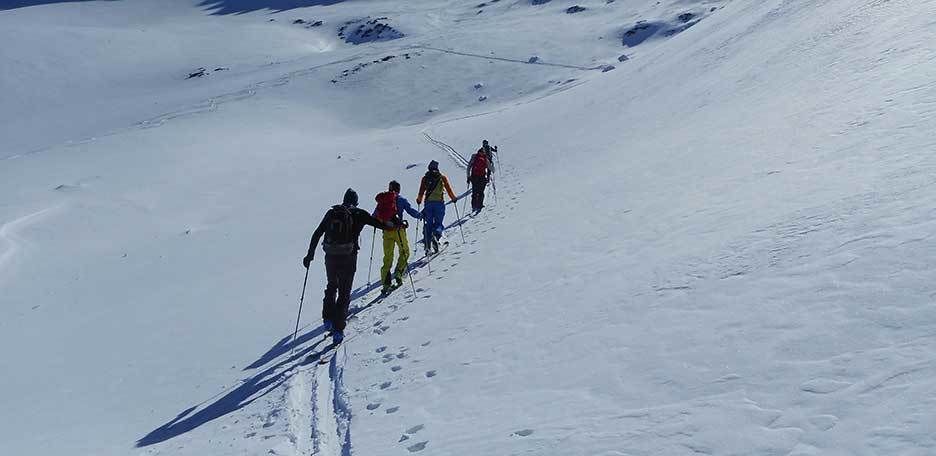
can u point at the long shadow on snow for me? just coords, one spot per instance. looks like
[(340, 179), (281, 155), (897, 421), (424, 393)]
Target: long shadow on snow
[(263, 382), (13, 4), (250, 390), (221, 7)]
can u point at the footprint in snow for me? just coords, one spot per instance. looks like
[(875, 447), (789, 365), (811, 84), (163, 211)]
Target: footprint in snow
[(823, 386), (373, 406), (426, 343), (523, 433), (824, 422), (381, 349), (385, 385), (392, 410), (430, 374), (396, 368), (415, 429)]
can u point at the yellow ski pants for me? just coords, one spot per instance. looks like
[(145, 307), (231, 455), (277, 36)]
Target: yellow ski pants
[(393, 238)]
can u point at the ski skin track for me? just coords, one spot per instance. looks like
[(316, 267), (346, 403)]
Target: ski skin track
[(326, 416), (326, 428)]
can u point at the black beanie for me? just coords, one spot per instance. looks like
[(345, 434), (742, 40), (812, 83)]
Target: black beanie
[(350, 198)]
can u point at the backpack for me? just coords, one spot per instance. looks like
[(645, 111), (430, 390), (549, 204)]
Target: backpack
[(431, 181), (339, 237), (386, 207), (479, 165)]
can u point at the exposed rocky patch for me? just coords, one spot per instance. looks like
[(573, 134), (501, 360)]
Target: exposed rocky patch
[(308, 23), (361, 66), (368, 30), (646, 30), (198, 73), (202, 72)]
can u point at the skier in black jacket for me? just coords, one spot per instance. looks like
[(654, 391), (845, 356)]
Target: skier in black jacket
[(341, 227)]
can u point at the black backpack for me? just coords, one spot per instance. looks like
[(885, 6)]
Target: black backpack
[(339, 237), (431, 181)]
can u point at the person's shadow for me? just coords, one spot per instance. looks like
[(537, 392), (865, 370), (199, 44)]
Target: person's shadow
[(267, 380), (221, 7), (248, 391)]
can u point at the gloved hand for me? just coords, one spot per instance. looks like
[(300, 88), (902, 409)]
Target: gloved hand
[(468, 181), (306, 261), (405, 224)]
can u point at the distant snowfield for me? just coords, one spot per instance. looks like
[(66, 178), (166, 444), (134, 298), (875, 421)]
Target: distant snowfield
[(721, 246)]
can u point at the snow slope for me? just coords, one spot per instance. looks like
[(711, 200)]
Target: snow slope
[(720, 247)]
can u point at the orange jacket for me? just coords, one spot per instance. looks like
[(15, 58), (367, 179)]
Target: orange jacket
[(436, 193)]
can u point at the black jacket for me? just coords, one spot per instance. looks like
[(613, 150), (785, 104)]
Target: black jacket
[(359, 218)]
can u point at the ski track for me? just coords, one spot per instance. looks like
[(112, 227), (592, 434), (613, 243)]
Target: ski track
[(208, 105), (321, 412), (9, 234), (212, 104), (454, 154), (504, 59)]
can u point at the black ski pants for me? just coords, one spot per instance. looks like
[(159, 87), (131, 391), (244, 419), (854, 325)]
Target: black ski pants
[(477, 192), (340, 270)]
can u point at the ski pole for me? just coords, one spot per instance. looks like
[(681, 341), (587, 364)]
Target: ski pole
[(494, 186), (493, 179), (408, 271), (455, 203), (465, 205), (371, 265), (418, 207), (301, 298)]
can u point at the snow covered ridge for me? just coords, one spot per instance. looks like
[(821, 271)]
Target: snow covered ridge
[(101, 43), (724, 246)]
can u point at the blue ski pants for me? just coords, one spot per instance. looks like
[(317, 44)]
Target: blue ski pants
[(434, 216)]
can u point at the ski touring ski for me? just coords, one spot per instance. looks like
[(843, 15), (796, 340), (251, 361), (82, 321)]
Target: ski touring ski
[(324, 355)]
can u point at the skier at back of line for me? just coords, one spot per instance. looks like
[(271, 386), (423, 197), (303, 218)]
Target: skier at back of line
[(341, 227)]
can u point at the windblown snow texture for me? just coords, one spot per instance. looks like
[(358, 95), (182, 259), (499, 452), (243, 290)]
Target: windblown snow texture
[(721, 247)]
